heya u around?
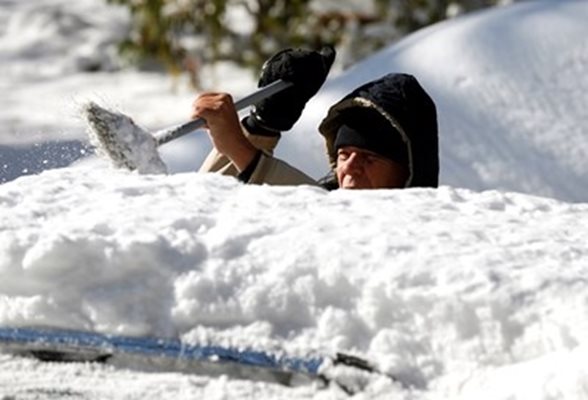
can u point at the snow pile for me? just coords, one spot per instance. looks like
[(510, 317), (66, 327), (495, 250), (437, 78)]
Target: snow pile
[(510, 86), (459, 293), (448, 289)]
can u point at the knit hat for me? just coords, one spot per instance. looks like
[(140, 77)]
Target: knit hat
[(366, 128)]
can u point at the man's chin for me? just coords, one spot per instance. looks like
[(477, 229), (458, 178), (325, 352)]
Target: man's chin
[(355, 185)]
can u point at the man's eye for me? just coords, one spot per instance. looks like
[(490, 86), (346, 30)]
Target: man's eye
[(342, 155)]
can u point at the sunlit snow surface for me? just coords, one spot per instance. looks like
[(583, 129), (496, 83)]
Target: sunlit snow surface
[(453, 291), (461, 293), (510, 86)]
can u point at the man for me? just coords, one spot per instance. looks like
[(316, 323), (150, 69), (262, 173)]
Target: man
[(381, 135)]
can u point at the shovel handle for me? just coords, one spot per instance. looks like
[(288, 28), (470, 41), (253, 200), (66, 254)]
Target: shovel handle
[(190, 126)]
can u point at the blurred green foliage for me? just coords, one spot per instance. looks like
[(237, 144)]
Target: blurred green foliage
[(181, 34)]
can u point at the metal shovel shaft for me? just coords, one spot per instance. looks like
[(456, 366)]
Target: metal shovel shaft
[(255, 97)]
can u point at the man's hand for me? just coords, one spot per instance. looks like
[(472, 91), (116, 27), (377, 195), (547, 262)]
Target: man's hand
[(307, 70), (224, 128)]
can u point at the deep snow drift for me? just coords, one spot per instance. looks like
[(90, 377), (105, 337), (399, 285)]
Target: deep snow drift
[(459, 293), (451, 290), (510, 85)]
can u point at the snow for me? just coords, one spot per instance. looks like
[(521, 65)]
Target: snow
[(473, 290), (510, 87), (447, 289), (117, 138)]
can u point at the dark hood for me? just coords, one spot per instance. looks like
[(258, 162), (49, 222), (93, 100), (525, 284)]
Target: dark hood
[(403, 102)]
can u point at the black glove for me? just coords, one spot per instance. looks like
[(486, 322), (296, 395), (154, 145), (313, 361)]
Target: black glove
[(307, 70)]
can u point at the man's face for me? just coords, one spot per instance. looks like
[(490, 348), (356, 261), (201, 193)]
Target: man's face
[(363, 169)]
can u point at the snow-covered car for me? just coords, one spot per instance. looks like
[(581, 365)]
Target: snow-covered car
[(471, 290)]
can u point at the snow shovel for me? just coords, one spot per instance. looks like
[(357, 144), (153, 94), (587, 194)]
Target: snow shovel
[(129, 146)]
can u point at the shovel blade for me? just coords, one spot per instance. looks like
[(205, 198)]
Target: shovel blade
[(127, 145)]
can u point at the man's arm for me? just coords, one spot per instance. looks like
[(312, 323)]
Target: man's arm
[(263, 168), (274, 171), (236, 150), (224, 128)]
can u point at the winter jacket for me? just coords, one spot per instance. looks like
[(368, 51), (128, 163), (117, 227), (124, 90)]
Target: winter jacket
[(398, 97), (264, 169)]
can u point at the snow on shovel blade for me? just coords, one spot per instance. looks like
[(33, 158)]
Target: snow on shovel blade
[(127, 145)]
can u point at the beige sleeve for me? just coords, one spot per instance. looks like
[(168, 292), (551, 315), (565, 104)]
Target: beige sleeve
[(269, 170), (217, 162), (273, 171)]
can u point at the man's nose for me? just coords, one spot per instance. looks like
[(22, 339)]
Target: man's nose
[(353, 162)]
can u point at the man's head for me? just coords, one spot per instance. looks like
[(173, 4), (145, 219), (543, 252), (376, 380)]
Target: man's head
[(410, 123), (370, 152)]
